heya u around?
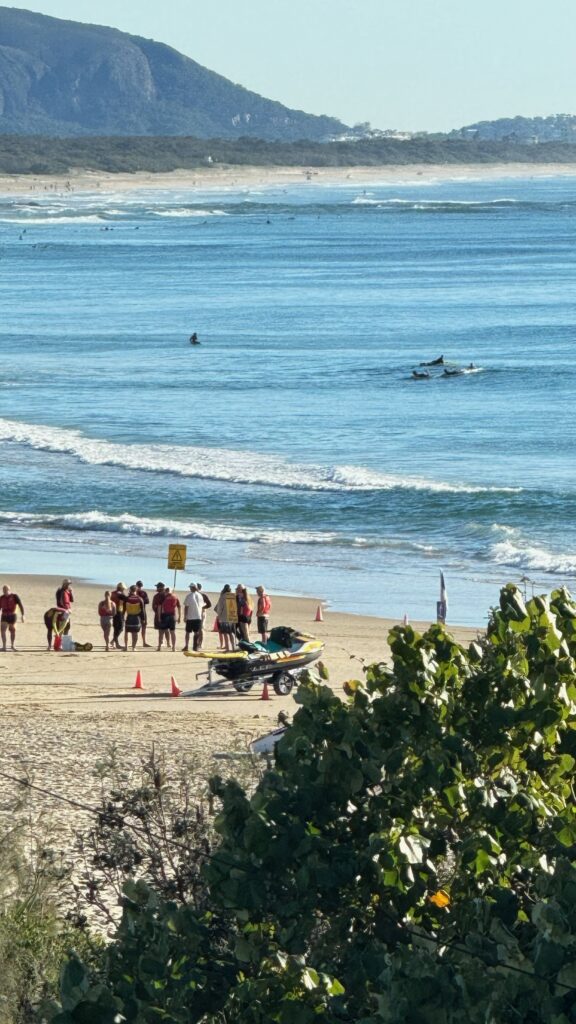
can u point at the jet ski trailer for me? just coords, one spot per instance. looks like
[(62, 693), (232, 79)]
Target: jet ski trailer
[(286, 652)]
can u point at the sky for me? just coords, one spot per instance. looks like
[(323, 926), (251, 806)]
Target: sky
[(418, 65)]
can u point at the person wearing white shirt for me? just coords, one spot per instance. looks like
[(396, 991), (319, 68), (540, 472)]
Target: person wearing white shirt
[(193, 608)]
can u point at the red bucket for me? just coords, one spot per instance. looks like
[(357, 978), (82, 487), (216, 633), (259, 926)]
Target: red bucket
[(57, 642)]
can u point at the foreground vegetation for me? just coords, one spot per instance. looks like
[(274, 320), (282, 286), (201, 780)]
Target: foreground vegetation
[(409, 856), (22, 154)]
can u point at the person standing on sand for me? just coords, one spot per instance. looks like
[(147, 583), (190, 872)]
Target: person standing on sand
[(106, 611), (9, 603), (171, 612), (263, 609), (146, 600), (245, 611), (193, 610), (134, 609), (226, 620), (207, 604), (157, 602), (64, 596), (119, 597)]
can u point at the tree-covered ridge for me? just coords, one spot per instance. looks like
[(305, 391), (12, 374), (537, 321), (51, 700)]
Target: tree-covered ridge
[(66, 78), (534, 130), (43, 155), (409, 856)]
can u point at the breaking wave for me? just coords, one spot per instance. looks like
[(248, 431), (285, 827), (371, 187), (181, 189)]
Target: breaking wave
[(221, 464)]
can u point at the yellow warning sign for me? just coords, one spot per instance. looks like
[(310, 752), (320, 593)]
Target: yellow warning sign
[(176, 556)]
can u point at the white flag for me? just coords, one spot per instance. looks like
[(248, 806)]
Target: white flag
[(443, 591)]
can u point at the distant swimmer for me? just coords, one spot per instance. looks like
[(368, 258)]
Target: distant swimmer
[(421, 374), (194, 339), (472, 366), (434, 362)]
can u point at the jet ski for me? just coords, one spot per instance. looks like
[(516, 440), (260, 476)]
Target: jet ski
[(286, 651)]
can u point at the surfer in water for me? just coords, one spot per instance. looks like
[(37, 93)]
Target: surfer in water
[(194, 339), (434, 362), (420, 374)]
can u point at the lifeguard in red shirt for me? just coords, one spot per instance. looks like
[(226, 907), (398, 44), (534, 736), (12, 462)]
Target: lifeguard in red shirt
[(9, 604), (170, 609)]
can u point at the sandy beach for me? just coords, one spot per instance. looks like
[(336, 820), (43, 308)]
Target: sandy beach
[(218, 177), (62, 714)]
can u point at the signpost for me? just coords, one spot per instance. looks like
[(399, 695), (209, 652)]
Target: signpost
[(176, 558)]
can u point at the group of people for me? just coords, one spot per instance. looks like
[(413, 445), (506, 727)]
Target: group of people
[(234, 613), (123, 616)]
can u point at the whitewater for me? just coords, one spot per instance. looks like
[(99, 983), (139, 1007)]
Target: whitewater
[(293, 447)]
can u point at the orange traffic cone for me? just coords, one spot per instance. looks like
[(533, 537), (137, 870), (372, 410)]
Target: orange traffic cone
[(265, 694), (138, 684), (176, 691), (319, 616)]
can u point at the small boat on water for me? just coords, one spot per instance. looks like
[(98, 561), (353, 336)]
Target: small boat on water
[(286, 651)]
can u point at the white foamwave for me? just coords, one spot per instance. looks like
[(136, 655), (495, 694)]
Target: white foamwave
[(154, 527), (88, 218), (518, 552), (222, 464), (189, 213)]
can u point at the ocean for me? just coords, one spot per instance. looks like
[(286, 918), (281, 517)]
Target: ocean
[(293, 447)]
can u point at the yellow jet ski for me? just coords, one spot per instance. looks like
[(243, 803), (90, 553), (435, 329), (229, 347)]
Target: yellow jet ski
[(284, 652)]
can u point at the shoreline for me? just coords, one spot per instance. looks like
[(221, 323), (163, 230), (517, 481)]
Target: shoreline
[(84, 180)]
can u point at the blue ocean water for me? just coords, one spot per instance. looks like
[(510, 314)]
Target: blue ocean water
[(293, 447)]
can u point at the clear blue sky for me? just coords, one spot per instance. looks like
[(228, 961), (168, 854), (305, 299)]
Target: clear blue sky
[(415, 64)]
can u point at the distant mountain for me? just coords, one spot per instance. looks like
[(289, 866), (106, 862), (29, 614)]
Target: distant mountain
[(534, 130), (64, 78)]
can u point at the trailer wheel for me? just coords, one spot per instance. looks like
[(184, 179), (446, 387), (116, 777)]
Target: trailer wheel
[(282, 683), (243, 685)]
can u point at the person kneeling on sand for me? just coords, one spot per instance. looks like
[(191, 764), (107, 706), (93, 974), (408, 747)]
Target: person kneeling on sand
[(9, 603), (106, 611), (170, 610), (134, 609)]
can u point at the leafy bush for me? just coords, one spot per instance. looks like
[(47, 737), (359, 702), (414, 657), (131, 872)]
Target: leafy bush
[(408, 857)]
